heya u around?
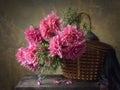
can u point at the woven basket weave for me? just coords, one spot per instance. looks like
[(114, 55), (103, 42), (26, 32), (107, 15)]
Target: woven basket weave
[(89, 65)]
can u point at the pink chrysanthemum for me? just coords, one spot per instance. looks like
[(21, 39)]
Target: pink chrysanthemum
[(71, 35), (55, 47), (50, 26), (33, 36), (70, 44), (28, 58)]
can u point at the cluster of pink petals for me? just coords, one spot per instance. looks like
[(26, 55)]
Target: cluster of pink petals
[(33, 36), (69, 44), (50, 26), (28, 58)]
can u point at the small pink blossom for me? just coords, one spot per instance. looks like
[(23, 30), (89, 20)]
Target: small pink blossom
[(68, 82), (39, 83), (50, 26), (28, 58), (33, 36)]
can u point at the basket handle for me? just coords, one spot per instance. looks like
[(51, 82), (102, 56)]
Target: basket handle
[(88, 16)]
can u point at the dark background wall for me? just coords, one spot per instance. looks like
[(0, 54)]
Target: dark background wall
[(17, 15)]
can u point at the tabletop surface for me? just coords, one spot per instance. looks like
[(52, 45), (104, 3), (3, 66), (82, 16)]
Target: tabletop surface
[(30, 83)]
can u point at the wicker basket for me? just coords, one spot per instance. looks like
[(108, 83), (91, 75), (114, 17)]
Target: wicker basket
[(89, 65)]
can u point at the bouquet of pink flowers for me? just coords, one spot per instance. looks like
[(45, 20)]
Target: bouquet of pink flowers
[(49, 43)]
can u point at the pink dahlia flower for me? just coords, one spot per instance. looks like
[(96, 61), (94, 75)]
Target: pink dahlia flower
[(28, 58), (33, 36), (70, 44), (50, 26)]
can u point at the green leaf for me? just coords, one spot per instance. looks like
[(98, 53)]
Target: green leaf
[(69, 17), (42, 62)]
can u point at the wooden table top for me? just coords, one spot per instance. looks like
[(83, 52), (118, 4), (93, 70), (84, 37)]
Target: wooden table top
[(30, 83)]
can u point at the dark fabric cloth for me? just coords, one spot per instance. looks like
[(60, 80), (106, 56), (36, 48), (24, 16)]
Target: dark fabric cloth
[(90, 35), (110, 73)]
